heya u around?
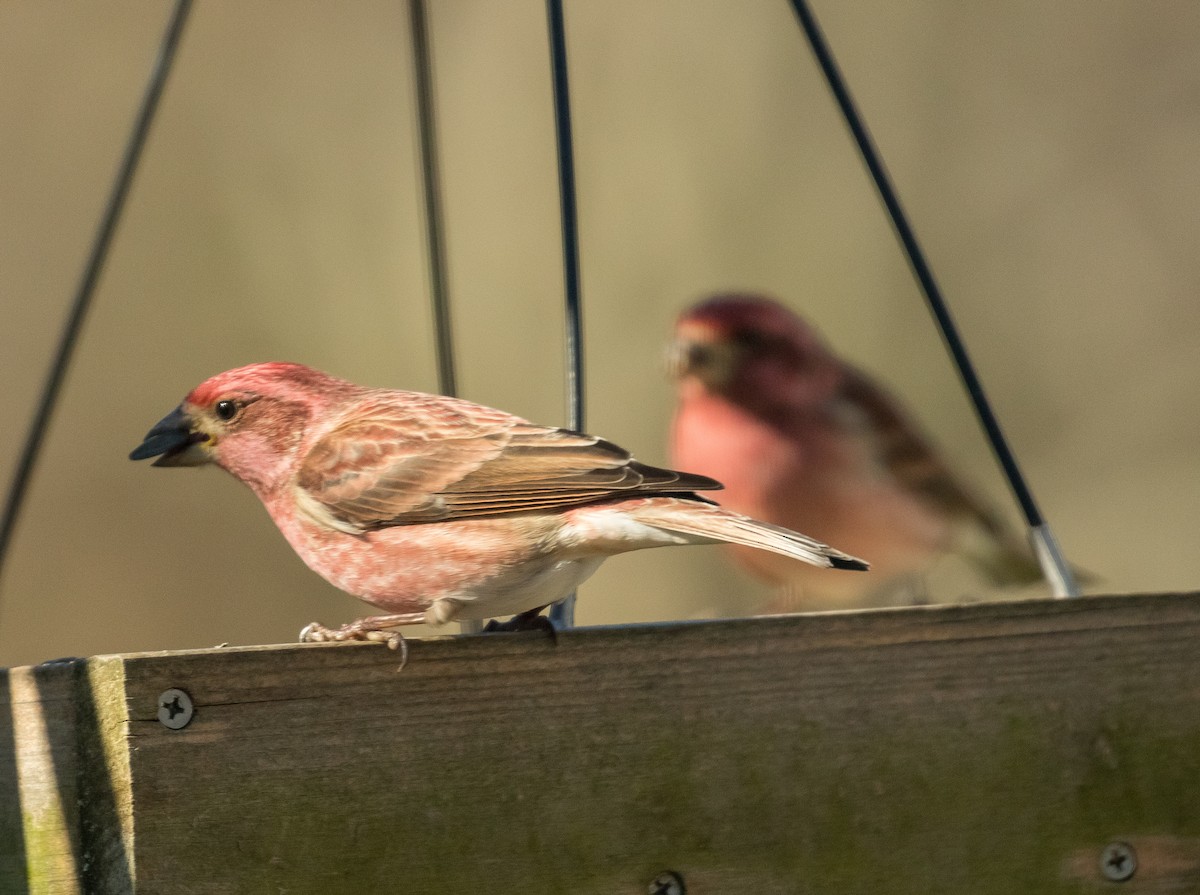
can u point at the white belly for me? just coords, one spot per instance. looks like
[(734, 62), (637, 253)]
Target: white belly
[(532, 585)]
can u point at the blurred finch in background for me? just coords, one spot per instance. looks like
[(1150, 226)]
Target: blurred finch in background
[(433, 508), (802, 439)]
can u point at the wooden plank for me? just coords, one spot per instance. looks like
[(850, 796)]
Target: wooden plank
[(986, 749), (61, 775), (104, 746), (39, 818)]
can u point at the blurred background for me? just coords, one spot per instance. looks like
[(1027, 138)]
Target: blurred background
[(1048, 153)]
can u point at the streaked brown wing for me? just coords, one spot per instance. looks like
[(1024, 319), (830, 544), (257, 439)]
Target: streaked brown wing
[(386, 467), (911, 457)]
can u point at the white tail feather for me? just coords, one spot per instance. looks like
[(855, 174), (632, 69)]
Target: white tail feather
[(715, 524)]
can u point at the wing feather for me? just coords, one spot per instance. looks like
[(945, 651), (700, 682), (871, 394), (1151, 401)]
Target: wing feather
[(910, 456), (426, 458)]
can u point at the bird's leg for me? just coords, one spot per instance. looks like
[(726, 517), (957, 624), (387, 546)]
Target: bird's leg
[(529, 620), (371, 628)]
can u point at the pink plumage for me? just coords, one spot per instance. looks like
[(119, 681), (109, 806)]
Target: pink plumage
[(803, 439), (433, 508)]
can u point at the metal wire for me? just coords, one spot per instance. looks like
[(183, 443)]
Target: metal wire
[(434, 227), (1055, 569), (563, 613), (91, 275), (434, 222)]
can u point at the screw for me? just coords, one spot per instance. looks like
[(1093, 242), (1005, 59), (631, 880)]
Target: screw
[(1118, 861), (175, 708), (667, 883)]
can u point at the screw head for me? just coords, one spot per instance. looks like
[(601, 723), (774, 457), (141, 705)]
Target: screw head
[(1118, 861), (175, 708), (667, 883)]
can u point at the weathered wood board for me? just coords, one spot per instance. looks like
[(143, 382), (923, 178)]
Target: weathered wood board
[(979, 749)]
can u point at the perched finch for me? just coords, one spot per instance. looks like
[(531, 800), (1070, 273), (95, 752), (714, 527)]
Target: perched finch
[(432, 508), (802, 439)]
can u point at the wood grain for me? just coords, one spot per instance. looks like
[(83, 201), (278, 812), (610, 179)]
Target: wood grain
[(985, 749), (39, 822)]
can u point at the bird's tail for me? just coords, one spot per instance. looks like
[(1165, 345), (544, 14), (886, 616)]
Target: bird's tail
[(712, 523), (1008, 561)]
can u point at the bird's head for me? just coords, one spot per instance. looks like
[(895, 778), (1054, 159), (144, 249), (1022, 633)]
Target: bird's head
[(250, 421), (753, 351)]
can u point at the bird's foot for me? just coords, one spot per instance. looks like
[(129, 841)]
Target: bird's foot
[(370, 630), (529, 620), (318, 633)]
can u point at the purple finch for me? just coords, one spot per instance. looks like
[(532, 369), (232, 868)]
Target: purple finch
[(433, 508), (802, 439)]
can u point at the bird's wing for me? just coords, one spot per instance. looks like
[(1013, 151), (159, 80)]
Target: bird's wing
[(431, 459), (910, 456)]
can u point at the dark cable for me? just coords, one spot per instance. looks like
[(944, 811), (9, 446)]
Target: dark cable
[(563, 613), (91, 274), (434, 228), (916, 258), (921, 269), (439, 291)]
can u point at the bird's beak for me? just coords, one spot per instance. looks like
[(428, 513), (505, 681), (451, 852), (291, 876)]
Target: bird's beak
[(711, 361), (175, 441)]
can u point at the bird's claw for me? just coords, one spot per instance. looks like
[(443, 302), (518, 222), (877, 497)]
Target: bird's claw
[(393, 639), (315, 632), (530, 620)]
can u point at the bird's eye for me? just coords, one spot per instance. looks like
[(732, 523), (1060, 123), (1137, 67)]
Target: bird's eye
[(227, 410)]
